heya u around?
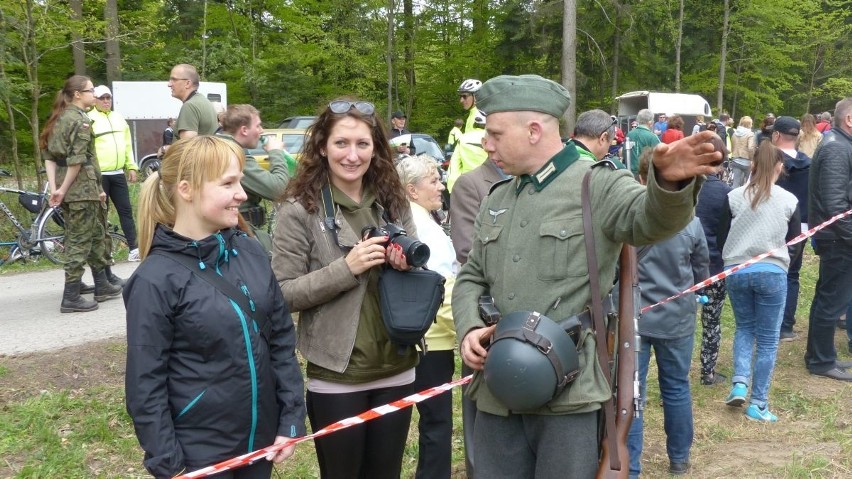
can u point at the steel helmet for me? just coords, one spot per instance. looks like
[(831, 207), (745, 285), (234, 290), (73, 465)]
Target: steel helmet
[(470, 85), (530, 361)]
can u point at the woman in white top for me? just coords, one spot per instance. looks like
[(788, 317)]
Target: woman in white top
[(422, 182)]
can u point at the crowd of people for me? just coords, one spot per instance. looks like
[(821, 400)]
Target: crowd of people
[(212, 370)]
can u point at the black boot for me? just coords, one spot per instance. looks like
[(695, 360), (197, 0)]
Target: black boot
[(72, 302), (86, 288), (104, 290), (113, 279)]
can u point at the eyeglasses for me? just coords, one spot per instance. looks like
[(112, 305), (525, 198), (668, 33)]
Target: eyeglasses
[(464, 96), (343, 106), (614, 122), (105, 97), (90, 90), (178, 79)]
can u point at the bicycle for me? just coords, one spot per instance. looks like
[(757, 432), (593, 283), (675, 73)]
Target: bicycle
[(46, 234)]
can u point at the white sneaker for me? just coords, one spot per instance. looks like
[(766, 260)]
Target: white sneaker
[(133, 256)]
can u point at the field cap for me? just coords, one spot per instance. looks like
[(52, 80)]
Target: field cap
[(523, 93), (398, 114), (102, 90), (787, 125)]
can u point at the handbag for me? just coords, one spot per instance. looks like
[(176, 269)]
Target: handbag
[(409, 300)]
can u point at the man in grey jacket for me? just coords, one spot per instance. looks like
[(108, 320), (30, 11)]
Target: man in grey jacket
[(665, 269)]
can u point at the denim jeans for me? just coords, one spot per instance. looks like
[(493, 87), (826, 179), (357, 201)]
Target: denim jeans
[(832, 296), (758, 303), (796, 254), (673, 359)]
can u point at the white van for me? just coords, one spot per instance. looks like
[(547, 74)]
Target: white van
[(686, 105)]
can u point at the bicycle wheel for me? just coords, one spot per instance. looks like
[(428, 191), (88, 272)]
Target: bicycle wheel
[(120, 249), (51, 236)]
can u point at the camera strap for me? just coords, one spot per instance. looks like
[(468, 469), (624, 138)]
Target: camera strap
[(328, 205)]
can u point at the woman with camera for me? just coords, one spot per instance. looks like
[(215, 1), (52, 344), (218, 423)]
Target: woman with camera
[(329, 271), (422, 182)]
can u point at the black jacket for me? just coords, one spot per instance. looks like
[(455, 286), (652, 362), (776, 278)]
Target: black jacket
[(830, 185), (202, 384), (795, 180), (713, 194)]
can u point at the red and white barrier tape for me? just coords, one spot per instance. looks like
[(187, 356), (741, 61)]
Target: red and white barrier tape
[(251, 457), (408, 401), (724, 274)]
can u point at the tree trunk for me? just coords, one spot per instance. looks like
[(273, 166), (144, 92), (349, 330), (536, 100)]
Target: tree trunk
[(7, 102), (408, 27), (678, 45), (77, 49), (726, 29), (390, 57), (113, 52), (569, 61), (616, 56)]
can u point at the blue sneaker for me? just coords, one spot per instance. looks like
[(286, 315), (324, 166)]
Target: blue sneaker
[(754, 413), (738, 395)]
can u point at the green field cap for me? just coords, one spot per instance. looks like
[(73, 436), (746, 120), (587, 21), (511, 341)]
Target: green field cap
[(523, 93)]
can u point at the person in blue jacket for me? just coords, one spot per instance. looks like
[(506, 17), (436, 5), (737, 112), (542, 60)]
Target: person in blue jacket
[(206, 380)]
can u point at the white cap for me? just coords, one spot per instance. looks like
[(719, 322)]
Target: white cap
[(102, 90)]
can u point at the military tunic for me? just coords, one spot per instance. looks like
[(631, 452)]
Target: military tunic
[(72, 143), (529, 254)]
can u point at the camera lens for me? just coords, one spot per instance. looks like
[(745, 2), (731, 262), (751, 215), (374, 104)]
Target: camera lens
[(416, 253)]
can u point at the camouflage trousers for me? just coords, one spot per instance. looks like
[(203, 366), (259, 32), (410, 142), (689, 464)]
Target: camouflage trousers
[(85, 237)]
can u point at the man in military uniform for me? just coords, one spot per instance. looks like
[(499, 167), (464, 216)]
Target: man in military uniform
[(72, 165), (241, 124), (529, 255)]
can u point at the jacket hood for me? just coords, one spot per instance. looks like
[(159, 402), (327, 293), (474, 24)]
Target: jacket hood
[(212, 251), (799, 162), (743, 131)]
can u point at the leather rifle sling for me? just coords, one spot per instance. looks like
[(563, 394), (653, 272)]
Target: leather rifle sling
[(597, 319)]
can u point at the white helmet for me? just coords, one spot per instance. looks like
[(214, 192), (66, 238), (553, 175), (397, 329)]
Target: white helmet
[(470, 85)]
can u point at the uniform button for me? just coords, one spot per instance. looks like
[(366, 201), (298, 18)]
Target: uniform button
[(563, 233), (531, 191), (516, 258), (487, 238), (524, 223), (511, 295)]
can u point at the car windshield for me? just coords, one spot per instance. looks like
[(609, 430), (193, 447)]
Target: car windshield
[(427, 146)]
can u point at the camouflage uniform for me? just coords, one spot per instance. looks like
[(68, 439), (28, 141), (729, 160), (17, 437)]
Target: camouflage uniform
[(71, 143)]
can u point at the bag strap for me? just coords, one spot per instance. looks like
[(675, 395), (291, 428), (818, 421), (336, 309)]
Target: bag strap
[(328, 205), (248, 306), (597, 319)]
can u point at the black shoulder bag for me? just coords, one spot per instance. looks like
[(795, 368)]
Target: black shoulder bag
[(409, 300), (250, 308)]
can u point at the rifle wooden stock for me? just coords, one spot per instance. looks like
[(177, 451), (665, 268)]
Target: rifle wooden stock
[(625, 369)]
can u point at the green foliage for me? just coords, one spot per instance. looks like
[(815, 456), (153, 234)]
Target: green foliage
[(290, 57)]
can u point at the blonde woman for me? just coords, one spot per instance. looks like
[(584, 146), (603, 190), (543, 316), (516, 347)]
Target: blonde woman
[(422, 183), (743, 146), (206, 380), (809, 136)]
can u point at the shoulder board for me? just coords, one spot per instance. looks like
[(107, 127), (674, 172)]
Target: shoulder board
[(613, 164), (498, 184)]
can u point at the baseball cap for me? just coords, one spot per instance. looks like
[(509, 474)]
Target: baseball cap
[(787, 125), (398, 114), (102, 90)]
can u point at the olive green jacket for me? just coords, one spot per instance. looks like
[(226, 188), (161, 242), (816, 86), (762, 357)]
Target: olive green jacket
[(72, 143), (529, 254)]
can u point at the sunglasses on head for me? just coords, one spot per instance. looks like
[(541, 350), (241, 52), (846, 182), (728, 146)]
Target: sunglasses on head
[(343, 106), (614, 122)]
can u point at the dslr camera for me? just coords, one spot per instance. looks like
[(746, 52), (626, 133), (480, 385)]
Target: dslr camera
[(416, 253)]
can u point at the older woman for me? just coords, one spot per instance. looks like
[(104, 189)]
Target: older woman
[(743, 146), (329, 272), (423, 187), (674, 131)]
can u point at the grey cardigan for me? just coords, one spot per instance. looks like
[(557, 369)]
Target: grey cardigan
[(316, 281)]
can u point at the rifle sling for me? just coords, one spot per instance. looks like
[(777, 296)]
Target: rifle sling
[(597, 320)]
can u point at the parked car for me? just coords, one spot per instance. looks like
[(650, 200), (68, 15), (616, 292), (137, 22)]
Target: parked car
[(298, 122), (294, 141)]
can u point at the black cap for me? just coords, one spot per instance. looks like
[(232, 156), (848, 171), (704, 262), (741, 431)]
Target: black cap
[(787, 125), (398, 114)]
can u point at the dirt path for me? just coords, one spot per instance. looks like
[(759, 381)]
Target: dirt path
[(30, 320)]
